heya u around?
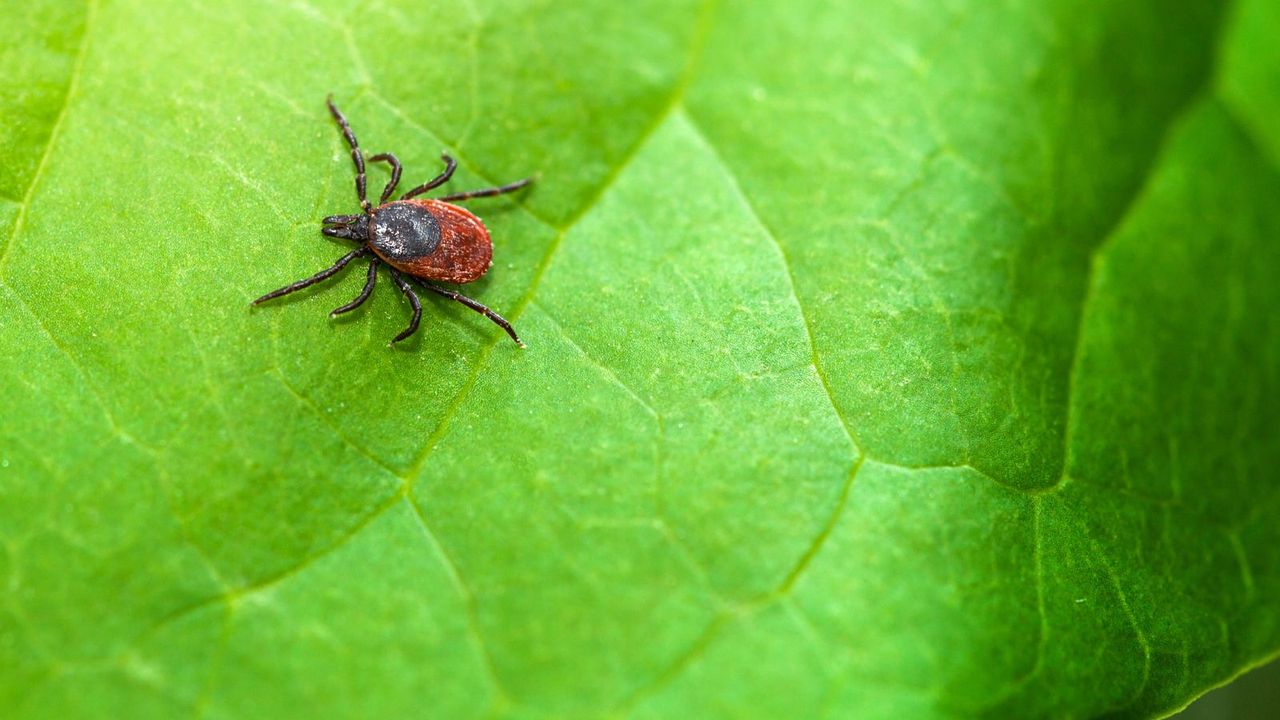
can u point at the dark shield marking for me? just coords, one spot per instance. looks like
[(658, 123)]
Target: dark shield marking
[(403, 232)]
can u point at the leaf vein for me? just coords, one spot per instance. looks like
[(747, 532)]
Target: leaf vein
[(609, 374), (333, 429), (1143, 644), (73, 86), (467, 595), (849, 431), (1097, 256), (671, 106)]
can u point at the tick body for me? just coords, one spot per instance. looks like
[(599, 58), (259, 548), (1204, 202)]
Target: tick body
[(431, 239), (425, 240)]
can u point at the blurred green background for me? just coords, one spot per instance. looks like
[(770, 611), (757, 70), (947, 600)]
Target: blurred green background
[(1254, 695), (886, 359)]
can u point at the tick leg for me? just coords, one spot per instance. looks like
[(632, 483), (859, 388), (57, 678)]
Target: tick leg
[(356, 157), (364, 294), (394, 162), (449, 166), (413, 300), (474, 305), (339, 219), (322, 275), (486, 192)]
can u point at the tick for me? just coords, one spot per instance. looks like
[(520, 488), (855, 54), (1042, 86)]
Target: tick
[(424, 240)]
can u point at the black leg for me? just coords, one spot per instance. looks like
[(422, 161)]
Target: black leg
[(340, 219), (474, 305), (394, 162), (322, 275), (449, 166), (413, 300), (355, 151), (487, 192), (365, 293)]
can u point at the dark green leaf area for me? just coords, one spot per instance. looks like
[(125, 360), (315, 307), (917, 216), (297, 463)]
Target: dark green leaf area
[(885, 360)]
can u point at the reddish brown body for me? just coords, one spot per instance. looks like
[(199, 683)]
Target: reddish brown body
[(462, 252), (465, 252)]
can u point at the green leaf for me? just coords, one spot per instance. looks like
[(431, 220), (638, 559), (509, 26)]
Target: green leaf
[(885, 359)]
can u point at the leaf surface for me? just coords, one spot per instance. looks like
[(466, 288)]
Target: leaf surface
[(886, 359)]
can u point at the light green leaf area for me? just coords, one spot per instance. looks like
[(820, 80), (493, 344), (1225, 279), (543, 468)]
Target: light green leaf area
[(886, 359)]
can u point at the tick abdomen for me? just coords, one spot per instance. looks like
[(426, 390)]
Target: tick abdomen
[(432, 240)]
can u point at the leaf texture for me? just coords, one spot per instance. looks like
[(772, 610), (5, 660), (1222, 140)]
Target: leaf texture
[(887, 359)]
